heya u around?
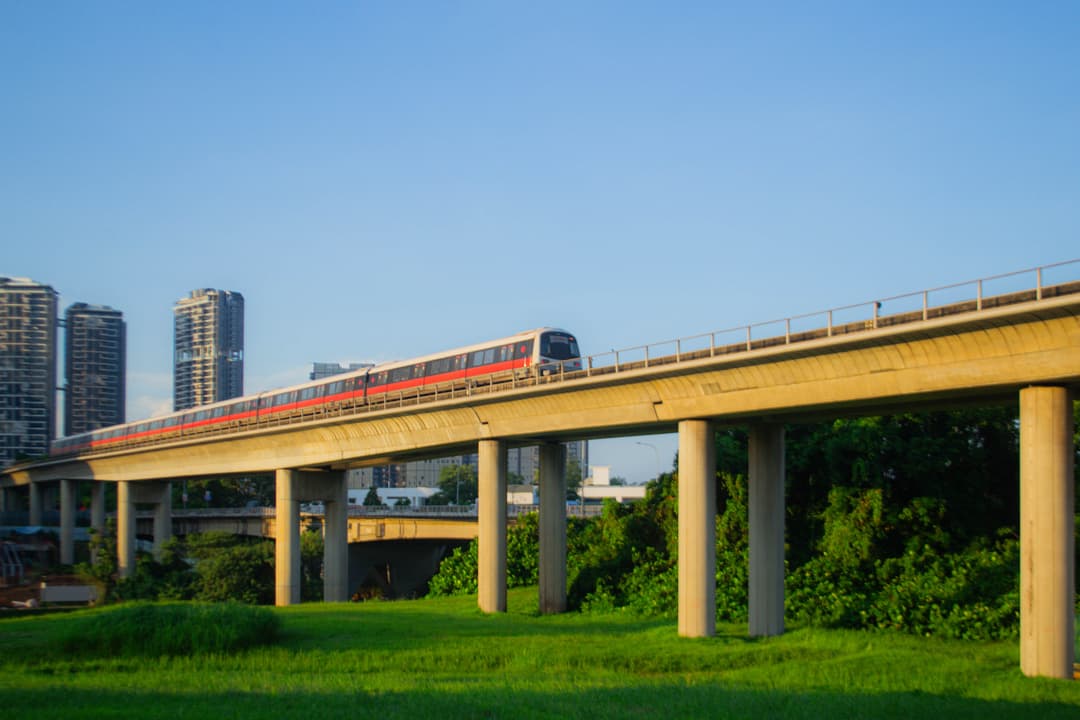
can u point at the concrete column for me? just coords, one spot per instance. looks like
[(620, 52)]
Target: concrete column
[(35, 503), (287, 540), (97, 512), (766, 530), (336, 540), (125, 529), (67, 521), (491, 580), (1047, 550), (552, 528), (697, 529), (162, 517)]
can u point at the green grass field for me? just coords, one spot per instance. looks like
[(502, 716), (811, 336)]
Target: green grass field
[(441, 658)]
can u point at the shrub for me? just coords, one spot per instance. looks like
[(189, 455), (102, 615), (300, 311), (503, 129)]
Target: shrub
[(151, 630)]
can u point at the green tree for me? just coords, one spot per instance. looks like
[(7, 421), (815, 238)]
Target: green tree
[(372, 498), (458, 485)]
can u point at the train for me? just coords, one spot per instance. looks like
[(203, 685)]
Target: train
[(528, 354)]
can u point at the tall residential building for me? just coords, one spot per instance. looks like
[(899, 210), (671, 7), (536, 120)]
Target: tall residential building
[(95, 357), (27, 368), (208, 348)]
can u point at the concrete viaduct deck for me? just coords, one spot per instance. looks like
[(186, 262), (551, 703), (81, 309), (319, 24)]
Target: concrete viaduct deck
[(1020, 348), (365, 527)]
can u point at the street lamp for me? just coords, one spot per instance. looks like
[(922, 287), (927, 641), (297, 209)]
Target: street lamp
[(655, 453)]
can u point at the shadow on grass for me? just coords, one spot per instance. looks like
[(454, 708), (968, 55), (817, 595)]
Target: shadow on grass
[(647, 700)]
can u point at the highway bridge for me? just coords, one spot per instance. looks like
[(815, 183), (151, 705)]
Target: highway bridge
[(1008, 339)]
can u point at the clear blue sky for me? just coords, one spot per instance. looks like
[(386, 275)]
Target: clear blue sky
[(386, 179)]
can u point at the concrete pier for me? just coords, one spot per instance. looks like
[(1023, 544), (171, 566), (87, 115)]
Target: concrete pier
[(97, 512), (766, 601), (287, 540), (125, 529), (293, 487), (491, 512), (68, 489), (35, 503), (1047, 549), (697, 529), (552, 559), (158, 494)]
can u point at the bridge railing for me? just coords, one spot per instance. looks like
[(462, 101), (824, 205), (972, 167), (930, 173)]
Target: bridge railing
[(971, 296)]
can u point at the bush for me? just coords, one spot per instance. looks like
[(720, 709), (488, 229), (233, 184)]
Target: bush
[(151, 630)]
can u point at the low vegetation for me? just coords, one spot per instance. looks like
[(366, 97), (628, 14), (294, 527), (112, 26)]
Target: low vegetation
[(906, 523), (441, 658), (141, 629)]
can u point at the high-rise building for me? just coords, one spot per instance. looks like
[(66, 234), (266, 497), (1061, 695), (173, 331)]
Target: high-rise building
[(27, 368), (95, 342), (208, 348)]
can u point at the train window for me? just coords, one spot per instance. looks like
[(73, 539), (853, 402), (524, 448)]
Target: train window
[(460, 362), (400, 374), (335, 388), (489, 356), (156, 425), (558, 346), (506, 352), (281, 399), (309, 393), (377, 379), (523, 349), (476, 359), (440, 366)]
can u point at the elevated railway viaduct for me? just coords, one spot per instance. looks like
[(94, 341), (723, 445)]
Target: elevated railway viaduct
[(1020, 347)]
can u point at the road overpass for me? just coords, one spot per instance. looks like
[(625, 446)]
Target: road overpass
[(1019, 346)]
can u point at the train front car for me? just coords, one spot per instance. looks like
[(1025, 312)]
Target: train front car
[(557, 352)]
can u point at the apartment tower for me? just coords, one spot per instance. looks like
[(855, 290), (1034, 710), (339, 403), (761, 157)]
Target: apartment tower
[(208, 348), (95, 357), (27, 368)]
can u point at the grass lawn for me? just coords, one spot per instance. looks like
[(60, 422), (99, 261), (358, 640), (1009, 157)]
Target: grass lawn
[(441, 658)]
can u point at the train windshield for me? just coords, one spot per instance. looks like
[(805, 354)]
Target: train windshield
[(559, 346)]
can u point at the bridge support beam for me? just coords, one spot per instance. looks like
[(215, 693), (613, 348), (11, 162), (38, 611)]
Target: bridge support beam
[(491, 512), (158, 494), (766, 518), (292, 488), (68, 489), (697, 529), (1047, 550), (552, 559), (35, 503)]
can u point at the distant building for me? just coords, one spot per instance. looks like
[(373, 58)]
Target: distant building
[(522, 465), (208, 348), (27, 368), (597, 488), (320, 370), (94, 364)]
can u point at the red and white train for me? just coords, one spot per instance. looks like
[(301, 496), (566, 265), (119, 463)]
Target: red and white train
[(540, 352)]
